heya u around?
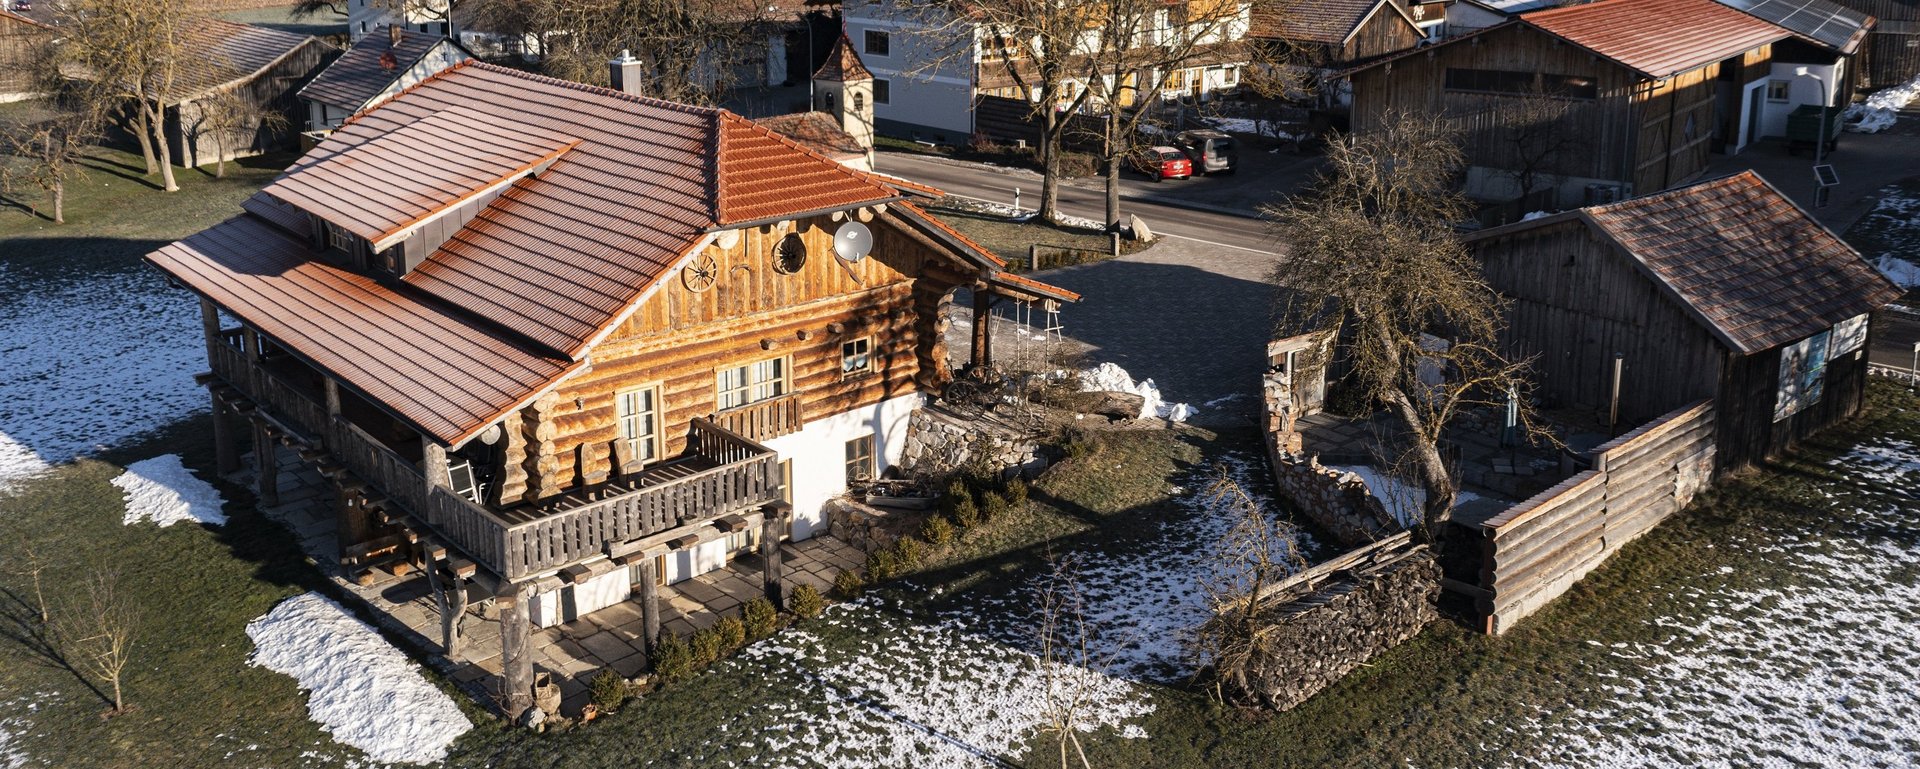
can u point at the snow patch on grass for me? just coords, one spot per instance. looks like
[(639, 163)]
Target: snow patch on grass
[(912, 694), (164, 491), (1816, 673), (362, 690), (1895, 222), (1110, 377), (90, 364)]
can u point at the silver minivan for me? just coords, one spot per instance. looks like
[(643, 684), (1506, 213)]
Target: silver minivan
[(1212, 152)]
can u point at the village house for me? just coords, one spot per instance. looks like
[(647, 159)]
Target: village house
[(1722, 290), (1590, 103), (263, 67), (376, 68), (1892, 50), (930, 70), (1324, 39), (574, 345), (21, 40)]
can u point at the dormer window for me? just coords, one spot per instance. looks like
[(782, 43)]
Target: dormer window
[(339, 239)]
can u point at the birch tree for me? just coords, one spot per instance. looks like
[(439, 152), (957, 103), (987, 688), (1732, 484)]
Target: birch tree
[(1374, 263)]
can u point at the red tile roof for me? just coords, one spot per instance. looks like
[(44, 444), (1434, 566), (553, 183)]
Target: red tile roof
[(1657, 38), (843, 64), (420, 360), (381, 188)]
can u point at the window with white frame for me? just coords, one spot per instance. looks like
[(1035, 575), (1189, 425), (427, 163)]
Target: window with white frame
[(638, 413), (860, 459), (1777, 90), (740, 385), (1803, 375), (856, 357)]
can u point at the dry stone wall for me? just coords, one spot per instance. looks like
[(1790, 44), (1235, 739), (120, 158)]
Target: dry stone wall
[(939, 442), (1338, 501)]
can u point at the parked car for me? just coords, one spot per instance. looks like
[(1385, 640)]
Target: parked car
[(1163, 162), (23, 5), (1212, 152)]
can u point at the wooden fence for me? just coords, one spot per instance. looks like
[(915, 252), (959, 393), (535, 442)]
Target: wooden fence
[(1537, 549)]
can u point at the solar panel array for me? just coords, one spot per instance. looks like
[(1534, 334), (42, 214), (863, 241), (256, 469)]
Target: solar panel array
[(1821, 20)]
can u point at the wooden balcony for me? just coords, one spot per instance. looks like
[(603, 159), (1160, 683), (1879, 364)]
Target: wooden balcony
[(721, 472), (763, 420)]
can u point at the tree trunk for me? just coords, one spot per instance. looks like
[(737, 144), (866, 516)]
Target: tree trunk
[(59, 207), (145, 134), (1050, 142), (157, 120), (119, 703), (1434, 478), (1113, 153)]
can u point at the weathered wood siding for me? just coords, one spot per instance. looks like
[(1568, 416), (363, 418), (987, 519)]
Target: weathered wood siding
[(1575, 300), (679, 338), (1676, 130), (20, 43), (1417, 84), (1539, 548), (1382, 33), (1750, 385), (193, 145)]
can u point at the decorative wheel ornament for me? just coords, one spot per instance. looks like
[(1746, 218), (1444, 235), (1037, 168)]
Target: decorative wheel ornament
[(790, 254), (700, 274)]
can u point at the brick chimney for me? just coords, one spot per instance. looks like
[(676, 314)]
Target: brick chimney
[(623, 72)]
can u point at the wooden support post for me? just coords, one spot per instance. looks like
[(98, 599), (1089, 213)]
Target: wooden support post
[(775, 572), (266, 464), (433, 463), (226, 453), (650, 602), (449, 598), (332, 389), (982, 328), (516, 652), (210, 324)]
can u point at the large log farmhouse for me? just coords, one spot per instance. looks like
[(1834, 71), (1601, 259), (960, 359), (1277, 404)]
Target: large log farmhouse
[(574, 343)]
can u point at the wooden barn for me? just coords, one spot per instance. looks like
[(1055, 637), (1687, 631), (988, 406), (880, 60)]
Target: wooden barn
[(1586, 103), (573, 343), (1722, 290), (21, 39), (1325, 37), (264, 67)]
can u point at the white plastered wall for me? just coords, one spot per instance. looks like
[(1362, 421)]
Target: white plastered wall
[(819, 454)]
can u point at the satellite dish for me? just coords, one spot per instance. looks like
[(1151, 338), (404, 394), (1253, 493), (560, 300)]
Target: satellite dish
[(853, 241)]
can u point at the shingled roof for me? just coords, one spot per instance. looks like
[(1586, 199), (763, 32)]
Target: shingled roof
[(369, 68), (540, 274), (1753, 268), (1316, 21), (224, 52), (843, 64), (1657, 38)]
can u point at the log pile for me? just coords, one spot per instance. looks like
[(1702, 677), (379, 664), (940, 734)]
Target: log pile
[(1315, 634)]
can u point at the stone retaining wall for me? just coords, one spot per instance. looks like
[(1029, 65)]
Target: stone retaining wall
[(939, 442), (866, 527), (1311, 640)]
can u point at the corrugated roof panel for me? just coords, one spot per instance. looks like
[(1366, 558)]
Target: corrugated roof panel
[(1825, 23), (1658, 38)]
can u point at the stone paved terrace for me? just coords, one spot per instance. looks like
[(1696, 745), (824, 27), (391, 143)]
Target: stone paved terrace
[(571, 652)]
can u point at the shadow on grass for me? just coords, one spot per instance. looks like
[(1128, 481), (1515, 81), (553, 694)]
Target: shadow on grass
[(133, 174), (20, 625)]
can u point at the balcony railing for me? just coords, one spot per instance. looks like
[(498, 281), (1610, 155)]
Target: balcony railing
[(743, 474), (286, 402), (763, 420)]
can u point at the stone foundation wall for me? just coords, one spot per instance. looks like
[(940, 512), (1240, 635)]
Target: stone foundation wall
[(939, 443), (867, 527), (1338, 501), (1313, 639)]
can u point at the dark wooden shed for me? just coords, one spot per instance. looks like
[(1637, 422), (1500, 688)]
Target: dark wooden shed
[(20, 41), (1723, 289)]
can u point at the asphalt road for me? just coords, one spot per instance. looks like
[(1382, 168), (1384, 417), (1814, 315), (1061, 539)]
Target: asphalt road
[(997, 184)]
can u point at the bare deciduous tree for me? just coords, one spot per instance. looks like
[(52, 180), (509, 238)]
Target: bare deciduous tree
[(1066, 657), (1257, 552), (687, 49), (98, 635), (1374, 263), (1538, 135), (225, 115), (127, 55), (48, 154)]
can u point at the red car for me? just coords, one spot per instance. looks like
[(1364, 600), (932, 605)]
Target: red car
[(1163, 163)]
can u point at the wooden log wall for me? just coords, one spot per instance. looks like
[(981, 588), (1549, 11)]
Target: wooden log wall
[(1575, 300), (1537, 549), (681, 337)]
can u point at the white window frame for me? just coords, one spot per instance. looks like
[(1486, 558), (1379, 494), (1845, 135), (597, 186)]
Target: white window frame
[(872, 457), (750, 383), (1786, 91), (630, 421)]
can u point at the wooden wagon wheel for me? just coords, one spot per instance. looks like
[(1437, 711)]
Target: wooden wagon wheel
[(701, 274)]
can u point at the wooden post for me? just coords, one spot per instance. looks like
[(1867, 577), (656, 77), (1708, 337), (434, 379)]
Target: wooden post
[(516, 652), (449, 598), (210, 324), (650, 602), (333, 396), (226, 454), (1033, 257), (982, 328), (266, 462), (771, 527)]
